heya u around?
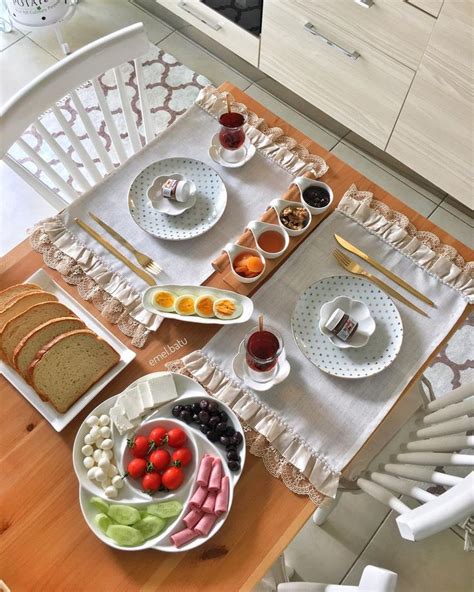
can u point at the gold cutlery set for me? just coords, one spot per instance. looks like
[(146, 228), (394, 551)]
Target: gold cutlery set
[(149, 266), (357, 269)]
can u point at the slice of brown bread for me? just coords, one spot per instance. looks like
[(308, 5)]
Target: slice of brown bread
[(26, 350), (26, 321), (13, 291), (69, 365), (21, 303)]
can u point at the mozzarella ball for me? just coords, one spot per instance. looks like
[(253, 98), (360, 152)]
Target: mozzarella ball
[(100, 475), (87, 450), (97, 455), (92, 420), (112, 471), (94, 431), (88, 439), (107, 454), (88, 462), (91, 474), (111, 491), (105, 432), (98, 442), (104, 420), (117, 482), (106, 483), (106, 444), (104, 463)]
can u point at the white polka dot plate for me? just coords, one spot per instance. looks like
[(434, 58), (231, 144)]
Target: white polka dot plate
[(211, 200), (380, 351)]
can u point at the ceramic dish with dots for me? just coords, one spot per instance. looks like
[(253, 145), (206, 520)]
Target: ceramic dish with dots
[(211, 200), (380, 351), (189, 392)]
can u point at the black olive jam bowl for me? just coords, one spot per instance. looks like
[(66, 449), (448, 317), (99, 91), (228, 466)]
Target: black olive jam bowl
[(315, 195)]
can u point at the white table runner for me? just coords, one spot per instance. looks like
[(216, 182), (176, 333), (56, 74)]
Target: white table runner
[(315, 421), (249, 190)]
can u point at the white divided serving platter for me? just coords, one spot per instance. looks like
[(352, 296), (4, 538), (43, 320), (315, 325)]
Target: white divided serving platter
[(179, 290), (188, 392), (60, 420), (382, 347)]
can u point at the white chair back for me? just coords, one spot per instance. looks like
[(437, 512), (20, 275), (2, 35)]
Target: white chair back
[(62, 79), (443, 440), (373, 579)]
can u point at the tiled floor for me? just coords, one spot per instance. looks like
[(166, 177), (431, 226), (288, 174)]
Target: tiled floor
[(359, 531)]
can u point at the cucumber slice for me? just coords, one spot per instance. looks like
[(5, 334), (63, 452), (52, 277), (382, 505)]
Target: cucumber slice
[(125, 515), (165, 509), (102, 521), (99, 504), (150, 526), (143, 514), (125, 535)]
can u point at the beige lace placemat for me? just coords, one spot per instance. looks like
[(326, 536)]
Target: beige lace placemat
[(312, 423), (112, 287)]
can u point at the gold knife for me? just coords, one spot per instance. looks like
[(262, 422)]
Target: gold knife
[(353, 249), (145, 276)]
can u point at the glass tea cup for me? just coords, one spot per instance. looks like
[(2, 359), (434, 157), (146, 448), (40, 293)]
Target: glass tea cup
[(232, 136), (262, 351)]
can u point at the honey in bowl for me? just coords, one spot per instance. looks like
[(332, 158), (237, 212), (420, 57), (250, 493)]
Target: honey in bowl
[(271, 241)]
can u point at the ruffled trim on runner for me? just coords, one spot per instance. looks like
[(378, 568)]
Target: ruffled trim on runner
[(109, 292), (423, 248), (271, 142), (286, 455)]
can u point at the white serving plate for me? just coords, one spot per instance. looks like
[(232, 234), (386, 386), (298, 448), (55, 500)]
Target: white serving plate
[(211, 200), (247, 304), (382, 347), (188, 392), (60, 420)]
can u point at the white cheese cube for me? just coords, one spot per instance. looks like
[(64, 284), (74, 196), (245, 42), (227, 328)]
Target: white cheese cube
[(145, 395), (162, 389), (131, 403), (121, 421)]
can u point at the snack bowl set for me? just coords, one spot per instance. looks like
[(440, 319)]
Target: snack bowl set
[(280, 204), (189, 392)]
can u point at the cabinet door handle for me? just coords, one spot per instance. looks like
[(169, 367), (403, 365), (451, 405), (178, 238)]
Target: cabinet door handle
[(184, 6), (354, 55), (365, 3)]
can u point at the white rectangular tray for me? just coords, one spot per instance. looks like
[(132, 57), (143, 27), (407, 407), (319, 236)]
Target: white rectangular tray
[(60, 420)]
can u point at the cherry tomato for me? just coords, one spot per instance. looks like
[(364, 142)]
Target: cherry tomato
[(172, 478), (139, 446), (181, 457), (157, 436), (176, 437), (159, 459), (136, 468), (151, 482)]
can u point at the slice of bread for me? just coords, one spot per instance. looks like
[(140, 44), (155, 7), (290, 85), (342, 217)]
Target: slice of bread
[(26, 350), (14, 291), (26, 321), (22, 302), (69, 365)]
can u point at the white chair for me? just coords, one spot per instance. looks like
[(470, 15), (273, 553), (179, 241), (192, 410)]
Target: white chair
[(81, 167), (373, 579), (441, 441)]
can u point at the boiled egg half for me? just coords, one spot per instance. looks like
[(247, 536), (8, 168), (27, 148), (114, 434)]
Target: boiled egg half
[(185, 304), (205, 305), (164, 300), (227, 308)]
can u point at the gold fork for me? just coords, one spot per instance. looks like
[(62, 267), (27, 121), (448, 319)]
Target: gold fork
[(355, 268), (146, 262)]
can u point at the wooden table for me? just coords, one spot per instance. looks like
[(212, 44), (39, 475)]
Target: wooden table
[(46, 544)]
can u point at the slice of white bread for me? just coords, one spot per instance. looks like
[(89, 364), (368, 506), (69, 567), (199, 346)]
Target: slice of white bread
[(20, 303), (69, 365), (26, 350), (26, 321), (14, 291)]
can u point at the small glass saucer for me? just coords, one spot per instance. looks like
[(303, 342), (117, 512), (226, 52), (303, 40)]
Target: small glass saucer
[(216, 152), (240, 370)]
